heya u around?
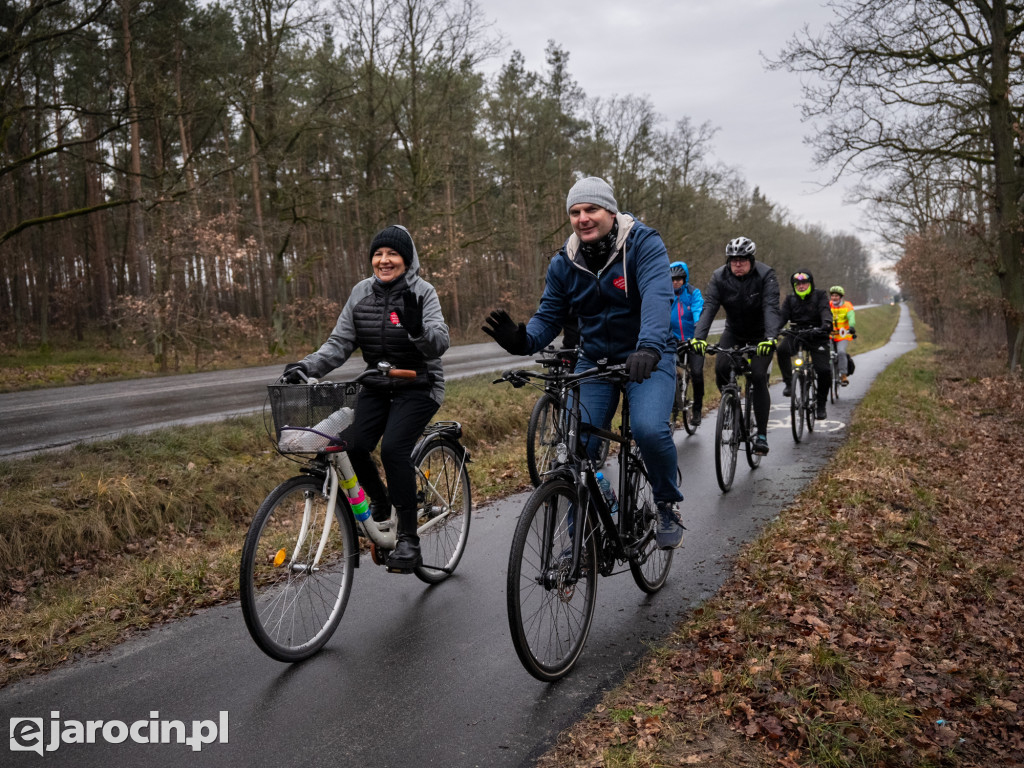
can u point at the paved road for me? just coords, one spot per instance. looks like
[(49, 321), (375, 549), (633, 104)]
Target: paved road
[(50, 419), (417, 675)]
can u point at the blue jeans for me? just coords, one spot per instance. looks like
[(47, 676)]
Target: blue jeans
[(650, 407)]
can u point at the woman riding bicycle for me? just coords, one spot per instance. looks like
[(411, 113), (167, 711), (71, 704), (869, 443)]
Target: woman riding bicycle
[(687, 303), (807, 308), (843, 328), (393, 316)]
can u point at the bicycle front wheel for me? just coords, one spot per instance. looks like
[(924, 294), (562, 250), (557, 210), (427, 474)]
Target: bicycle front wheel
[(542, 436), (753, 459), (550, 605), (648, 564), (296, 570), (796, 407), (682, 406), (727, 439), (444, 503)]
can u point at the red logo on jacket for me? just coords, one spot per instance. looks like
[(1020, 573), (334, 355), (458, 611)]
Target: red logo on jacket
[(620, 282), (394, 319)]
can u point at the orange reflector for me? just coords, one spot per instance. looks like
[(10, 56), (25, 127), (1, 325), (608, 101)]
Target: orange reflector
[(426, 473), (279, 557)]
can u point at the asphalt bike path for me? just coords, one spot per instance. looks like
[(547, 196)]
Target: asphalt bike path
[(415, 675)]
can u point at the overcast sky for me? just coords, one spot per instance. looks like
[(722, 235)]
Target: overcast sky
[(699, 59)]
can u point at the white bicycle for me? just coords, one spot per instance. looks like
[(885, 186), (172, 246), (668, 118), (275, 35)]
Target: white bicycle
[(301, 550)]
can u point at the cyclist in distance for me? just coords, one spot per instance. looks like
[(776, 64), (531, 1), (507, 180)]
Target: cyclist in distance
[(749, 292), (843, 329), (612, 273), (687, 303), (807, 308), (393, 316)]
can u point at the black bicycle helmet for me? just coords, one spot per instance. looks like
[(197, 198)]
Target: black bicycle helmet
[(740, 247), (679, 269)]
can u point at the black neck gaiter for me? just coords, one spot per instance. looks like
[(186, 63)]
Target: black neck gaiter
[(595, 255)]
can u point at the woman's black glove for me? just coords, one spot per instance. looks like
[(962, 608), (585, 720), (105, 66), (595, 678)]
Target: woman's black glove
[(641, 364), (294, 373), (504, 330), (411, 315)]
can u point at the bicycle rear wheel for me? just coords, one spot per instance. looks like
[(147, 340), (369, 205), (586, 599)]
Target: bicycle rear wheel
[(648, 564), (796, 407), (444, 503), (542, 435), (727, 439), (811, 401), (292, 597), (550, 608), (753, 459)]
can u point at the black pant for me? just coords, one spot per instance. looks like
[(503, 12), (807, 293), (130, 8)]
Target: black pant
[(399, 416), (819, 358), (762, 400)]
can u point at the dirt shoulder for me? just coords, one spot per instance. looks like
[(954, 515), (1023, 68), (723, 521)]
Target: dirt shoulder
[(878, 622)]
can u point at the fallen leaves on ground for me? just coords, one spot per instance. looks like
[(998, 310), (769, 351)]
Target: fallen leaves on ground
[(877, 623)]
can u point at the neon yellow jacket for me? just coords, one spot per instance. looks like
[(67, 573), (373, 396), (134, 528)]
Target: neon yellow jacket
[(842, 320)]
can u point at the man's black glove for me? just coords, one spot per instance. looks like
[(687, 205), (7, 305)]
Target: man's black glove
[(294, 373), (641, 363), (504, 330), (411, 314)]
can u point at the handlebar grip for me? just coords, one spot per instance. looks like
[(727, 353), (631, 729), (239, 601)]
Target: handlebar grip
[(401, 373)]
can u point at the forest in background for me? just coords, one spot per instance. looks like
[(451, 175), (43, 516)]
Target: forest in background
[(177, 174)]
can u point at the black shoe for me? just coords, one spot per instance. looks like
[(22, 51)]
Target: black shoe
[(786, 391), (695, 419), (822, 413), (406, 555), (380, 511), (760, 446)]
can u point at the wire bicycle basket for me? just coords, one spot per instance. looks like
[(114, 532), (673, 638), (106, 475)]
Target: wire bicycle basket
[(306, 417)]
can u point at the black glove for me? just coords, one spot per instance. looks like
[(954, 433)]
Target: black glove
[(853, 332), (826, 330), (503, 330), (766, 347), (641, 363), (294, 373), (411, 314)]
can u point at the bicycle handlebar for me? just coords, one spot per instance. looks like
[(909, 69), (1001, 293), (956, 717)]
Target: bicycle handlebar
[(520, 377), (382, 369)]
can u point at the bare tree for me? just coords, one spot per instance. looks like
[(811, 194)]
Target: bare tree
[(899, 85)]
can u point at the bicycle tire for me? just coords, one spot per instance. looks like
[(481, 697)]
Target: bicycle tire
[(550, 610), (648, 564), (290, 610), (836, 381), (753, 459), (727, 436), (811, 401), (444, 502), (796, 407), (542, 436), (682, 404)]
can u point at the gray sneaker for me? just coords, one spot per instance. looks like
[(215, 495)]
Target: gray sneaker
[(669, 534)]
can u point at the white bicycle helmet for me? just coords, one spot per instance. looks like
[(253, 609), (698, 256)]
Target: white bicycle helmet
[(742, 247)]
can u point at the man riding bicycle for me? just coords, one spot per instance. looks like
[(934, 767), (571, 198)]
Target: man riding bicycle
[(807, 309), (687, 303), (843, 329), (613, 274), (749, 292)]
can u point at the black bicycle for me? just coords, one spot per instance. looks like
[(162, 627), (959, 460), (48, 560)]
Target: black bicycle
[(803, 396), (735, 415), (568, 534), (543, 431), (682, 404)]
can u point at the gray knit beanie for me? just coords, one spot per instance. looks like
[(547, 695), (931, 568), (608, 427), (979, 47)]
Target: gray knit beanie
[(592, 190)]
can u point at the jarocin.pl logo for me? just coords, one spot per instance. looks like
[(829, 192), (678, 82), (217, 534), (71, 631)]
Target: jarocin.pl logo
[(28, 734)]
